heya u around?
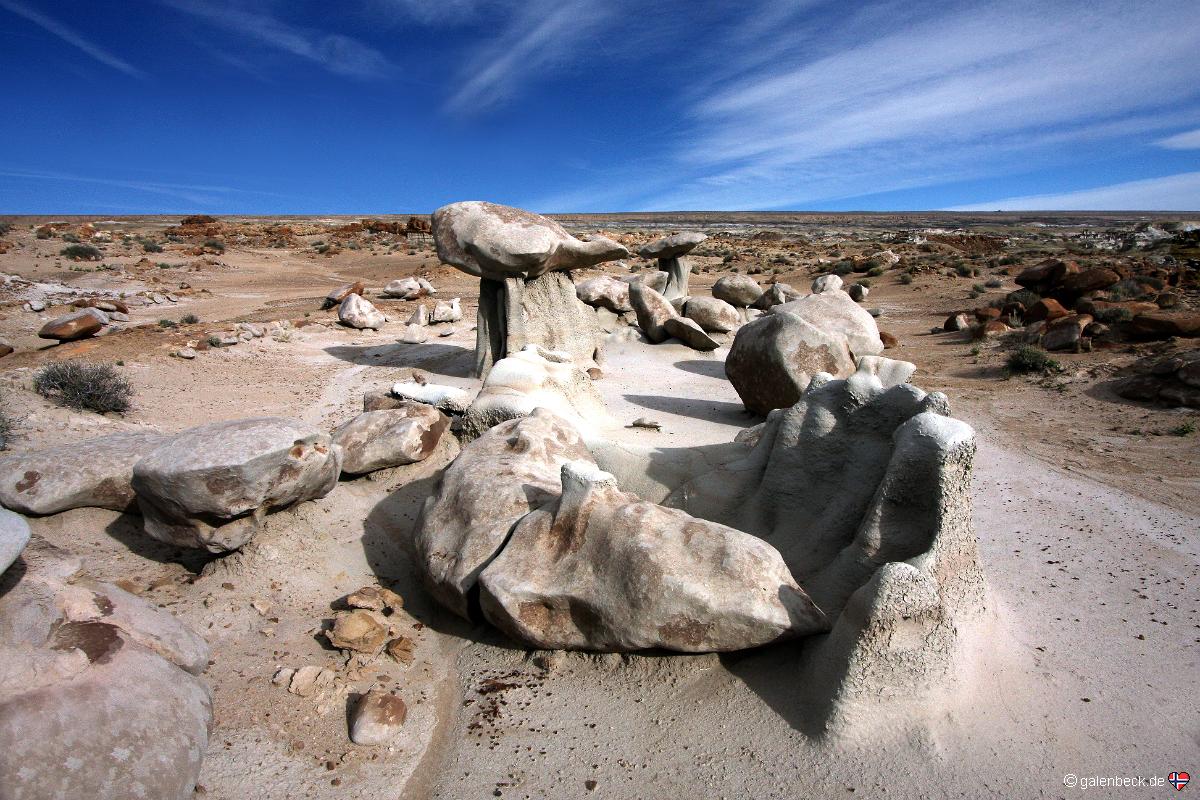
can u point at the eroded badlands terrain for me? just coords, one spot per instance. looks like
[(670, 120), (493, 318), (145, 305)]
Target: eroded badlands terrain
[(1056, 360)]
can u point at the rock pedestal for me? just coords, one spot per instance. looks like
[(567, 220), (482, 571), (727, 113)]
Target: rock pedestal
[(526, 295), (671, 252), (545, 311)]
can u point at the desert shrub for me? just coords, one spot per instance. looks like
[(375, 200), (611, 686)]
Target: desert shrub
[(151, 247), (214, 244), (5, 228), (44, 233), (906, 278), (1185, 429), (994, 283), (843, 268), (189, 319), (865, 283), (1031, 359), (1023, 296), (965, 270), (875, 272), (1113, 315), (81, 252), (167, 323), (1008, 261), (213, 340), (83, 385), (70, 237)]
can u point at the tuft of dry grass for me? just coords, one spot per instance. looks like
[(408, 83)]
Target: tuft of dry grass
[(84, 386)]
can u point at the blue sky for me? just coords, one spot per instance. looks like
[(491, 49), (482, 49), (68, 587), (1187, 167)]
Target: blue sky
[(381, 106)]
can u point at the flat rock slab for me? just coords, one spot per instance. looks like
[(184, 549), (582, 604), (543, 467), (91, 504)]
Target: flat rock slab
[(93, 473), (209, 486), (672, 246)]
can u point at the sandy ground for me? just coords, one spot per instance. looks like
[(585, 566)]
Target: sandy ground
[(1089, 537)]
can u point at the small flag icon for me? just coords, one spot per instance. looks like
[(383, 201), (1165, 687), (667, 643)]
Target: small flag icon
[(1179, 780)]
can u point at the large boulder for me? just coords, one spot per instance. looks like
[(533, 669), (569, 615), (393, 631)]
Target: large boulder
[(605, 291), (500, 477), (14, 535), (389, 438), (76, 325), (826, 283), (739, 291), (1046, 276), (711, 314), (449, 399), (1088, 280), (447, 310), (1065, 333), (358, 312), (90, 473), (498, 242), (690, 333), (99, 694), (601, 569), (832, 311), (652, 311), (1164, 324), (773, 358), (534, 378), (211, 486)]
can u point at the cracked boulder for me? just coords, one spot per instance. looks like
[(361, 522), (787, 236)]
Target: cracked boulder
[(100, 474), (211, 486), (357, 312), (601, 569), (652, 310), (500, 477), (377, 440), (773, 358)]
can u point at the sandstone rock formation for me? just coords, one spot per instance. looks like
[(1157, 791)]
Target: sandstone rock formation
[(739, 291), (91, 473), (446, 311), (526, 295), (834, 312), (99, 694), (652, 310), (500, 477), (211, 486), (358, 312), (449, 399), (712, 314), (776, 294), (690, 333), (656, 279), (605, 291), (601, 569), (534, 378), (379, 439), (772, 360), (671, 252), (407, 289), (825, 283)]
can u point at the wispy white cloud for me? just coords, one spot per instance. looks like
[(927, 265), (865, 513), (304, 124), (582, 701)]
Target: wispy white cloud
[(432, 12), (825, 103), (1170, 193), (72, 38), (196, 194), (1189, 140), (341, 55), (538, 36)]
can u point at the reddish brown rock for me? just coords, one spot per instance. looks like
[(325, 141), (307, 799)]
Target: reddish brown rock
[(991, 329), (956, 322), (1047, 274), (1164, 324), (1089, 280), (987, 313), (77, 325), (339, 294), (1134, 307), (1065, 333), (889, 341), (1046, 309)]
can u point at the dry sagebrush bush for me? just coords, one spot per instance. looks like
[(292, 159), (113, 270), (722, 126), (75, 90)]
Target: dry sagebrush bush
[(84, 386)]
